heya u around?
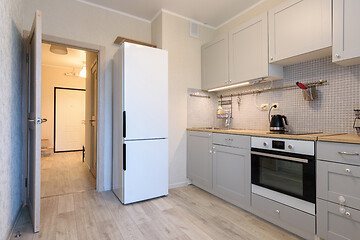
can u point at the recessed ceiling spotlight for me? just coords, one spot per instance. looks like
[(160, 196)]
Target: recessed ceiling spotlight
[(57, 49)]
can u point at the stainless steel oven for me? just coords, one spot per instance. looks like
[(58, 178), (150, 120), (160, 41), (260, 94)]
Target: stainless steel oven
[(284, 170)]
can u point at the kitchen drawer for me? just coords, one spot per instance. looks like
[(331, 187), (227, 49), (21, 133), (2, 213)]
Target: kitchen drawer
[(232, 140), (339, 152), (297, 218), (339, 183), (332, 224)]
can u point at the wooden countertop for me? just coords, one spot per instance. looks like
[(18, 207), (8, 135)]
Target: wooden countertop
[(264, 133), (341, 138)]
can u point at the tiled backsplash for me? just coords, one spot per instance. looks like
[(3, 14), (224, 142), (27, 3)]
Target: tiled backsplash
[(332, 111)]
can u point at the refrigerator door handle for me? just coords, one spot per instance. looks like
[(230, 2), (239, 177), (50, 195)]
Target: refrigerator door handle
[(124, 157), (124, 124)]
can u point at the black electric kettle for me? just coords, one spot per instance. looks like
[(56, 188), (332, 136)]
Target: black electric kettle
[(277, 123)]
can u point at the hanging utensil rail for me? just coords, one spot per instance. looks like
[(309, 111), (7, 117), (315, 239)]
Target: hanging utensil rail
[(310, 84)]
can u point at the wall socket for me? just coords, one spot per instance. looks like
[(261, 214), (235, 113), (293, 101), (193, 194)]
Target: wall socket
[(264, 107), (277, 106)]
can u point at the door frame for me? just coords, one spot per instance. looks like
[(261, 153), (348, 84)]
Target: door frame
[(100, 50), (63, 88)]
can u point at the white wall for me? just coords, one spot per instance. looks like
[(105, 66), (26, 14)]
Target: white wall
[(12, 122), (184, 73), (53, 76), (251, 13), (81, 22)]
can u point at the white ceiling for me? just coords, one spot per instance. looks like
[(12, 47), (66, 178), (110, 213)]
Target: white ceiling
[(210, 12), (75, 58)]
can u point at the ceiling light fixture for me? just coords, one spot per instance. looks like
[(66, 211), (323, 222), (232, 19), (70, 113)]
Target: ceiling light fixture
[(58, 49), (83, 72)]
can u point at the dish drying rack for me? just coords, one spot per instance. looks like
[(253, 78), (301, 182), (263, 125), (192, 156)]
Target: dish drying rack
[(226, 106)]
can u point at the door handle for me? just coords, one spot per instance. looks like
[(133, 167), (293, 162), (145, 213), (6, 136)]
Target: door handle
[(124, 156), (349, 154), (37, 121)]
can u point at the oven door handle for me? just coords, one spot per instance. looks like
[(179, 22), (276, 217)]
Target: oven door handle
[(302, 160)]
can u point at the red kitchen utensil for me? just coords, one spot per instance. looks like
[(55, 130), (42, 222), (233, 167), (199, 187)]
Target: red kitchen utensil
[(300, 85)]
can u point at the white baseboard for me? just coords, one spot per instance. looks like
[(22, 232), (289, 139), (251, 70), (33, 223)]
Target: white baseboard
[(176, 185)]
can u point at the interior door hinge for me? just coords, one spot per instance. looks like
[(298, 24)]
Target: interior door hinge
[(26, 182), (27, 58)]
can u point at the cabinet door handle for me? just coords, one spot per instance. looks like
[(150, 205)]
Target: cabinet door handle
[(210, 152), (350, 154), (347, 170), (348, 214), (277, 211)]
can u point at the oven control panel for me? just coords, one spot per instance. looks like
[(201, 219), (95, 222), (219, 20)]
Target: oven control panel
[(284, 145)]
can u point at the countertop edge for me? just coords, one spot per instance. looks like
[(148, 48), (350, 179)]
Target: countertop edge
[(323, 137)]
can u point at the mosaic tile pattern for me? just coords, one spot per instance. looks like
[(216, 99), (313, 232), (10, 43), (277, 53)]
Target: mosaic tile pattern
[(332, 111)]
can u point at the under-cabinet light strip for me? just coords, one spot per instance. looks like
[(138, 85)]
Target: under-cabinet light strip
[(228, 87)]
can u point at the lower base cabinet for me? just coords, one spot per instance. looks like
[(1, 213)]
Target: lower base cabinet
[(199, 159), (335, 222), (231, 172)]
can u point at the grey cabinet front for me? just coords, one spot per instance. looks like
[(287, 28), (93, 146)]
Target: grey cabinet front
[(231, 172), (339, 183), (199, 158), (334, 223)]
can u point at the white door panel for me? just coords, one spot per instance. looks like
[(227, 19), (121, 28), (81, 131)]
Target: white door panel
[(34, 120), (146, 174), (69, 119), (145, 92)]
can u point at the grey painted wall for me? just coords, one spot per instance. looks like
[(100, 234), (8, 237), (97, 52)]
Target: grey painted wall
[(11, 124)]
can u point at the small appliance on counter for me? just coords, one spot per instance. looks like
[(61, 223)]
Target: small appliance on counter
[(277, 122), (357, 121)]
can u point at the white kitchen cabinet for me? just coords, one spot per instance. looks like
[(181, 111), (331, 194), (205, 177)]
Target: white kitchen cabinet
[(215, 63), (346, 35), (300, 30), (248, 52), (199, 159)]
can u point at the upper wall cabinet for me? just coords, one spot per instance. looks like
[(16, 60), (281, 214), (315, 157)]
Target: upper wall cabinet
[(215, 63), (248, 52), (300, 30), (346, 38)]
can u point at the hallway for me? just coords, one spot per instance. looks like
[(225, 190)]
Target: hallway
[(64, 173)]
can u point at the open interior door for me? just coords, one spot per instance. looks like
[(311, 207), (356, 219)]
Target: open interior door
[(91, 111), (34, 120)]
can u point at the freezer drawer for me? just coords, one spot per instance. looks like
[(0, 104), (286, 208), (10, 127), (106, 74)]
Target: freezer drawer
[(146, 174)]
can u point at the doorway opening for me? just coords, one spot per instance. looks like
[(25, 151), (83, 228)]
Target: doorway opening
[(69, 136)]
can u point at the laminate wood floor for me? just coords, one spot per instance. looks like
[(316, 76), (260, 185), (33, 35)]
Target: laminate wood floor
[(186, 213), (64, 173)]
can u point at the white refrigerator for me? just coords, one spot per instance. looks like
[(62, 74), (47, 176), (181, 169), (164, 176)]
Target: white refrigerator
[(140, 123)]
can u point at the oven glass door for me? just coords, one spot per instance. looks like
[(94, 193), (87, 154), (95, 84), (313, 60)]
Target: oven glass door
[(291, 174)]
